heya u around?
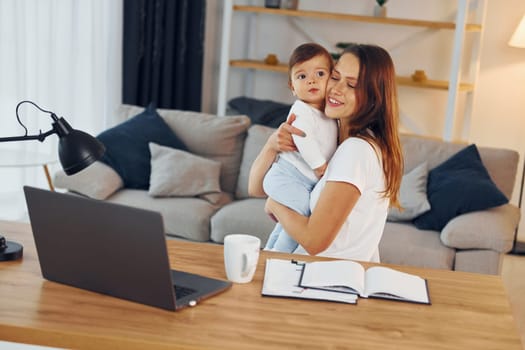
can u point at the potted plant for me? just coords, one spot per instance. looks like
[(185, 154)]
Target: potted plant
[(380, 8)]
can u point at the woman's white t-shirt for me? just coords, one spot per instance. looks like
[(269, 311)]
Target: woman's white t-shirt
[(356, 162)]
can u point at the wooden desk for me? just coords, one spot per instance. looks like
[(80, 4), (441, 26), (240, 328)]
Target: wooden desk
[(468, 311)]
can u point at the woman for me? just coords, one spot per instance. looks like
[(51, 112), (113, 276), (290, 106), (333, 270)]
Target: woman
[(350, 202)]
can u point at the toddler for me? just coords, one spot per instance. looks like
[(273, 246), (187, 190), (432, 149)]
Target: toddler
[(293, 175)]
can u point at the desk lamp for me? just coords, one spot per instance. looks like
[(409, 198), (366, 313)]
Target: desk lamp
[(518, 40), (76, 150)]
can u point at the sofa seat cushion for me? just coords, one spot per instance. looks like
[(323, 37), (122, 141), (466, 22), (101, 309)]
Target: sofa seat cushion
[(242, 216), (478, 261), (404, 244), (183, 217)]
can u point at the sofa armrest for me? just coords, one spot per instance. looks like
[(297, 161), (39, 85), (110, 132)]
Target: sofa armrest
[(487, 229)]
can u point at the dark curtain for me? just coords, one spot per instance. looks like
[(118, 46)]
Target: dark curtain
[(163, 51)]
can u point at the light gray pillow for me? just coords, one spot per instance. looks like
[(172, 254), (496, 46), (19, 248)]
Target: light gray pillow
[(412, 195), (181, 174), (97, 181)]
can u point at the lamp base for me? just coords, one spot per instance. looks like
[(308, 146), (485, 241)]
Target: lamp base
[(10, 250), (518, 249)]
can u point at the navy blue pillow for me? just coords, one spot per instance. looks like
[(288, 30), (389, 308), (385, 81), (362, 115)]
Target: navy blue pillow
[(127, 150), (264, 112), (459, 185)]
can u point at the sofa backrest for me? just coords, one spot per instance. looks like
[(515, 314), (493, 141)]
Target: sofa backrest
[(206, 135), (501, 164), (257, 136)]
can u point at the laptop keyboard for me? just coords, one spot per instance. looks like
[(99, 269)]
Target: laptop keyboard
[(181, 292)]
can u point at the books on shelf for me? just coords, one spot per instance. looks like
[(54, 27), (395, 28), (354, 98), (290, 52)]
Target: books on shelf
[(338, 279)]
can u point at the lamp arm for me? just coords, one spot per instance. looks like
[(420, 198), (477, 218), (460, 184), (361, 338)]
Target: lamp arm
[(40, 137), (58, 126), (76, 149)]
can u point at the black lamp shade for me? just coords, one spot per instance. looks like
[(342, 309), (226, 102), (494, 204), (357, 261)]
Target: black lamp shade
[(77, 150)]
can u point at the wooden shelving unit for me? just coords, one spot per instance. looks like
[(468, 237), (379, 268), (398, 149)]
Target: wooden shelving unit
[(356, 18), (453, 86), (406, 81)]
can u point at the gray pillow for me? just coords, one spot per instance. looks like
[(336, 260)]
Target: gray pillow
[(412, 195), (181, 174), (97, 181)]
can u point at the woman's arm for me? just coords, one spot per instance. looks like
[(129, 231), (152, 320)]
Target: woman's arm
[(317, 232), (279, 141)]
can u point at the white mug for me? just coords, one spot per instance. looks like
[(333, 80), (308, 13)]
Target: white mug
[(241, 254)]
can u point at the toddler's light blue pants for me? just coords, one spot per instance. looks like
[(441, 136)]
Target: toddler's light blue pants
[(288, 186)]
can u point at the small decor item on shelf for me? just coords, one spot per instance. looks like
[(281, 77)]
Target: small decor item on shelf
[(272, 3), (380, 8), (271, 59), (290, 4), (419, 76)]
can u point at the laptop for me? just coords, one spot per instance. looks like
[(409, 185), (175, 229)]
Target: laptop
[(111, 249)]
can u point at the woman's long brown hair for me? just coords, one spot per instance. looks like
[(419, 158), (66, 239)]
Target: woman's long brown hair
[(377, 110)]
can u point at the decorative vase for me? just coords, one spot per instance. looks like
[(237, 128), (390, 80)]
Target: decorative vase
[(379, 11)]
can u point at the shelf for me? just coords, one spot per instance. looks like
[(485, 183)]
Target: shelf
[(405, 81), (356, 18), (253, 64)]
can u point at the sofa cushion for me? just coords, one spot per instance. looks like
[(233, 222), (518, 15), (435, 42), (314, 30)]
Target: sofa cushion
[(242, 216), (127, 150), (97, 181), (187, 217), (478, 261), (488, 229), (206, 135), (404, 244), (412, 195), (181, 174), (265, 112), (257, 136), (459, 185)]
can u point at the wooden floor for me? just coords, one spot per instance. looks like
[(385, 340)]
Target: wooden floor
[(513, 274)]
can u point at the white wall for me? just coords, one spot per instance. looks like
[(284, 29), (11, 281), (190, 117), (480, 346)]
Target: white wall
[(498, 118), (499, 109)]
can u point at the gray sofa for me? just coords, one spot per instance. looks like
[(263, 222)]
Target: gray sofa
[(471, 242)]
